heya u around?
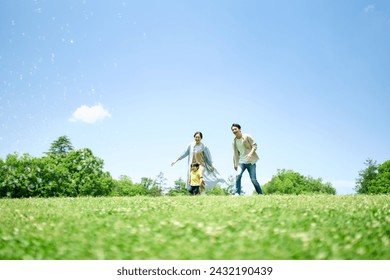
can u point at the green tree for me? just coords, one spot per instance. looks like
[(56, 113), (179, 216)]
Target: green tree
[(290, 182), (231, 186), (147, 187), (75, 173), (366, 182), (147, 182), (122, 186), (153, 187), (125, 187), (383, 185), (217, 190), (61, 146), (16, 176), (87, 174), (375, 179), (66, 173), (158, 185), (179, 189)]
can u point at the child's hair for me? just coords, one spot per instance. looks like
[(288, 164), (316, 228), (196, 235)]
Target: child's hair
[(196, 164)]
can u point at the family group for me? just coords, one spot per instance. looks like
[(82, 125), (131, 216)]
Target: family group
[(201, 172)]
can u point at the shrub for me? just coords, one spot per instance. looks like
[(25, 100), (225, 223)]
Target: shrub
[(217, 190), (290, 182), (125, 187)]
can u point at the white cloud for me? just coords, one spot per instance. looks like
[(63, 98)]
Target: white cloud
[(90, 114), (369, 9)]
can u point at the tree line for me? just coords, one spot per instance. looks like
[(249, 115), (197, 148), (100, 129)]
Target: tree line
[(66, 172)]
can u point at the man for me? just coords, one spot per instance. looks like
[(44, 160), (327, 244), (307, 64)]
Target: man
[(245, 157)]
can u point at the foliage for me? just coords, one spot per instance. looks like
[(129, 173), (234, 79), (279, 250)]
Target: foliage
[(78, 172), (148, 187), (158, 185), (20, 176), (273, 227), (231, 188), (60, 146), (217, 190), (367, 177), (375, 179), (122, 186), (147, 182), (290, 182), (125, 187), (383, 183), (66, 173), (155, 187), (155, 191), (179, 189)]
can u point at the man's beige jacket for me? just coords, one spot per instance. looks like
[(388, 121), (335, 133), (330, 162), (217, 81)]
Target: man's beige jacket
[(249, 145)]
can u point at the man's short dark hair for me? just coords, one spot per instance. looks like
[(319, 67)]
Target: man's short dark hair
[(236, 125)]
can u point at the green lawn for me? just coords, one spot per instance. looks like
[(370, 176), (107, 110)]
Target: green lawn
[(205, 227)]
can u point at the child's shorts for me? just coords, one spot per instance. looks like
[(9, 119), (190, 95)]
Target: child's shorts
[(194, 190)]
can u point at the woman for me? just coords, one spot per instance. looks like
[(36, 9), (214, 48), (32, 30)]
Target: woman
[(198, 152)]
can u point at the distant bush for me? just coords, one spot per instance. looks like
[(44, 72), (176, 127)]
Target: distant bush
[(217, 190), (179, 189), (125, 187), (290, 182)]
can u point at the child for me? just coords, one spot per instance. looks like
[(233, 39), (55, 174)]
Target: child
[(195, 177)]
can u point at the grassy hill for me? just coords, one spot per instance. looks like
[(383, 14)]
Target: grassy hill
[(205, 227)]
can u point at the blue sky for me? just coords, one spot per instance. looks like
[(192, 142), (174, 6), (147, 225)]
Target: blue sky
[(133, 81)]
